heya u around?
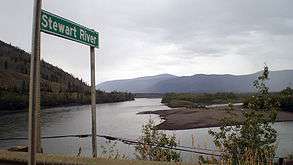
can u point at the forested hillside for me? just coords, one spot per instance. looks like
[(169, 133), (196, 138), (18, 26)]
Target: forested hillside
[(136, 85), (198, 83), (57, 86)]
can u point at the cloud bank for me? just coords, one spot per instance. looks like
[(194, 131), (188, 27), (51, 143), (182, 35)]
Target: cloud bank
[(140, 38)]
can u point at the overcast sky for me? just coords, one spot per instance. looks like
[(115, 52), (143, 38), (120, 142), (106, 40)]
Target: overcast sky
[(149, 37)]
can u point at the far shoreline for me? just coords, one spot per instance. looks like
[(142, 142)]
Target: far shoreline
[(5, 112)]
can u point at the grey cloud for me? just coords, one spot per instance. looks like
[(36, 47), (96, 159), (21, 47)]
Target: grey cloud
[(150, 37)]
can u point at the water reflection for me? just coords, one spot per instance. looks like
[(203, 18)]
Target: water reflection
[(116, 119)]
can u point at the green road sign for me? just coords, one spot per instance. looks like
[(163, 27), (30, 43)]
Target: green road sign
[(58, 26)]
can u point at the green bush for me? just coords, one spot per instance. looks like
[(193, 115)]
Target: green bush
[(252, 140), (152, 142)]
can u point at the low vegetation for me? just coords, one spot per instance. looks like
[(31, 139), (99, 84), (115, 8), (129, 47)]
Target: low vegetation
[(110, 151), (155, 145), (193, 100)]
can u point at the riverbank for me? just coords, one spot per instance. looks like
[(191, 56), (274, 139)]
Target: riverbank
[(16, 101), (184, 118)]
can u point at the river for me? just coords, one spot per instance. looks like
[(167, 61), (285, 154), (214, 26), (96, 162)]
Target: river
[(115, 119)]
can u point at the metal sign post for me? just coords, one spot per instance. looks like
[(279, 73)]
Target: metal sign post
[(55, 25), (93, 101), (34, 143)]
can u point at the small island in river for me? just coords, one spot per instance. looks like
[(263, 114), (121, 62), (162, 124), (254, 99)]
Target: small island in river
[(186, 118)]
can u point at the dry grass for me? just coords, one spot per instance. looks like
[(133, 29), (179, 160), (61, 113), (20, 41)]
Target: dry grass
[(47, 159)]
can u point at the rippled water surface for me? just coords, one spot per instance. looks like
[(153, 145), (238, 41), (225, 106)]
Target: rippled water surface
[(115, 119)]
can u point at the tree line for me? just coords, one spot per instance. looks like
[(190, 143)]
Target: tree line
[(195, 100), (58, 87)]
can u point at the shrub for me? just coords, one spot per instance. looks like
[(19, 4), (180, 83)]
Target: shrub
[(254, 139), (152, 145)]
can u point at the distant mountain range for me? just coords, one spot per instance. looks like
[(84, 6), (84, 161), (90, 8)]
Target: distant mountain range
[(199, 83)]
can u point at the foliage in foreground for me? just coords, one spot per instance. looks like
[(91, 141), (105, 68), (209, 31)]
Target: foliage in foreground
[(110, 151), (284, 98), (251, 141), (155, 145)]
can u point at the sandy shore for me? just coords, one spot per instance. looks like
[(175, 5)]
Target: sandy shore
[(182, 118)]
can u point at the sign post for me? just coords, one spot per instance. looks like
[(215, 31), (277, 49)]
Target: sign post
[(34, 143), (61, 27), (93, 101)]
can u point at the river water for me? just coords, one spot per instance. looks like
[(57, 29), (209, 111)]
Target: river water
[(115, 119)]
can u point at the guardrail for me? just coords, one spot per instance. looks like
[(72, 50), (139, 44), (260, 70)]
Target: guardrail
[(15, 156)]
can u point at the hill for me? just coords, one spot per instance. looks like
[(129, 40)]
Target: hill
[(136, 85), (199, 83), (57, 86)]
